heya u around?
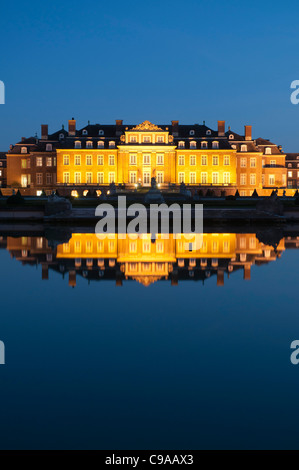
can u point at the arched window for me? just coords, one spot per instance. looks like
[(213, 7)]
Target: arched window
[(204, 145), (77, 144), (290, 165), (192, 144), (100, 144), (268, 151), (215, 145), (89, 144), (111, 144), (24, 150), (243, 148), (49, 147), (181, 145)]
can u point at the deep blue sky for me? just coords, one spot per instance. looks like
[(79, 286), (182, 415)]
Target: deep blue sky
[(192, 61)]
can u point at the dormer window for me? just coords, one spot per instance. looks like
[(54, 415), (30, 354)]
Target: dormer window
[(101, 132), (84, 132), (100, 144), (61, 136), (231, 136), (191, 132), (204, 145), (234, 147), (24, 150), (215, 145), (208, 132), (290, 165), (192, 145), (268, 151), (77, 144), (89, 145), (111, 144), (243, 148), (49, 147), (181, 145)]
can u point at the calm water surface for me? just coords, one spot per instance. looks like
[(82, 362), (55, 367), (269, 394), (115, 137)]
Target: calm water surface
[(137, 345)]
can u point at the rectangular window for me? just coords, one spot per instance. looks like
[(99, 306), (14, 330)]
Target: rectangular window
[(77, 159), (100, 178), (272, 162), (39, 178), (111, 178), (271, 179), (66, 178), (181, 177), (133, 139), (204, 160), (181, 160), (226, 160), (111, 160), (243, 163), (146, 139), (24, 164), (100, 159), (226, 178), (204, 178), (253, 179), (146, 159), (289, 174), (192, 160), (88, 160), (77, 178), (66, 159), (252, 162), (89, 178), (192, 178), (160, 177), (133, 177), (39, 161), (49, 161), (215, 160), (49, 178), (243, 178), (215, 178), (133, 159), (160, 159), (160, 139), (28, 163)]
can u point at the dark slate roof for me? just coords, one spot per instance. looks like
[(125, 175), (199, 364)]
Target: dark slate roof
[(263, 143), (292, 156)]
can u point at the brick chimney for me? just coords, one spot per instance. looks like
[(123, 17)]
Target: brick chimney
[(248, 132), (221, 128), (119, 123), (72, 126), (44, 132), (175, 128)]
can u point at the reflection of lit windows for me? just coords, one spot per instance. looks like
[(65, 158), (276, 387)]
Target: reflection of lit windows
[(181, 263), (111, 263), (215, 247), (89, 263), (252, 243), (267, 253), (88, 246), (49, 257), (66, 248), (243, 257), (39, 243), (146, 266), (203, 262), (146, 247), (24, 240), (111, 246), (133, 247), (192, 262), (243, 242), (77, 246), (214, 262), (226, 246), (24, 253), (100, 246), (160, 266), (159, 247), (133, 266), (78, 262)]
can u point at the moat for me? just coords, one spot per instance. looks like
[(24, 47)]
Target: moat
[(153, 346)]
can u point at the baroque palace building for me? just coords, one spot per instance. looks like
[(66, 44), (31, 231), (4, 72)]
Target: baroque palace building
[(130, 155)]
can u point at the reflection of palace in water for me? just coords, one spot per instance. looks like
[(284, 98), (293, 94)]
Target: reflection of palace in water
[(147, 260)]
